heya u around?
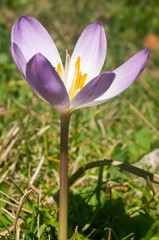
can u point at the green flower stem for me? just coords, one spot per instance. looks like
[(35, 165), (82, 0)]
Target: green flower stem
[(63, 199)]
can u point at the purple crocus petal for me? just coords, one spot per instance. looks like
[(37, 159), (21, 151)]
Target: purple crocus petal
[(19, 59), (31, 37), (94, 89), (91, 48), (45, 81), (125, 75)]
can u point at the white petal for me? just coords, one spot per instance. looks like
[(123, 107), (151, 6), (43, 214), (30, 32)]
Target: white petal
[(91, 48)]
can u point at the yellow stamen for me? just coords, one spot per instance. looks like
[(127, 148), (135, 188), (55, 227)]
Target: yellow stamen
[(77, 65), (59, 70), (82, 81), (78, 80)]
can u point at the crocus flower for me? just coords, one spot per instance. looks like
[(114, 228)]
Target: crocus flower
[(78, 83)]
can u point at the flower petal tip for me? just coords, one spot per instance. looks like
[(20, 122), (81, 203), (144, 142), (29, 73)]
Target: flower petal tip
[(146, 53), (39, 59), (37, 56), (112, 74), (23, 17), (148, 50), (98, 23)]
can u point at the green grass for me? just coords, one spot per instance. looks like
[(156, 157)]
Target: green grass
[(105, 197)]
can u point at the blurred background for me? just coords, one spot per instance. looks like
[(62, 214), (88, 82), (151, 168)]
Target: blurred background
[(125, 128)]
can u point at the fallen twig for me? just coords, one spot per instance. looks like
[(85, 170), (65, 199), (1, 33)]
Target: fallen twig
[(22, 201), (37, 170), (106, 162)]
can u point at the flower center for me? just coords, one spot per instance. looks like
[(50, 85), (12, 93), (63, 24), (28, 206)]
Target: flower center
[(78, 79)]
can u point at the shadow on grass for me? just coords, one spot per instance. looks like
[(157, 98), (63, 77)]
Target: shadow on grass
[(110, 215)]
